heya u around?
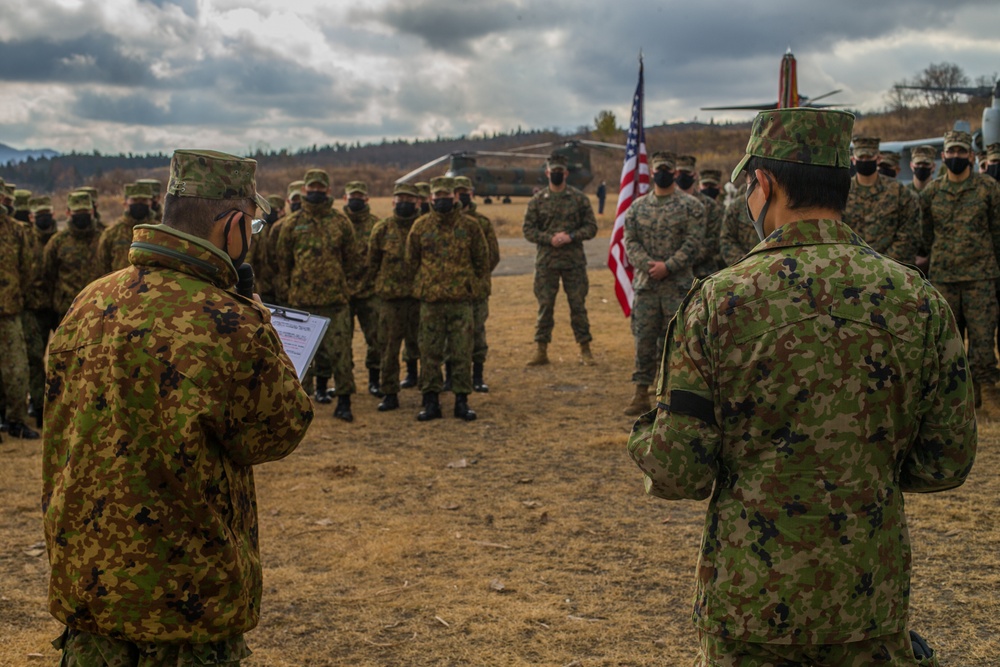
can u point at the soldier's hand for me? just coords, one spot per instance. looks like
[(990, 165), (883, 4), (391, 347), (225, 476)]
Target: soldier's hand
[(560, 239), (658, 270), (923, 263)]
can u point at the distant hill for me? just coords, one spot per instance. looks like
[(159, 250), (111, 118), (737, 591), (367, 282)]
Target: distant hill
[(9, 154)]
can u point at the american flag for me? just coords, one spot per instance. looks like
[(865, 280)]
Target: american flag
[(634, 183)]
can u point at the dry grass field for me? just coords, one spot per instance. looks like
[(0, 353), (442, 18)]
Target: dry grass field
[(523, 538)]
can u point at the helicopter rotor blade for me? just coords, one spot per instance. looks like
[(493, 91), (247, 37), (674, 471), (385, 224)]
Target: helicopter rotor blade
[(810, 100), (422, 168), (602, 144), (527, 148)]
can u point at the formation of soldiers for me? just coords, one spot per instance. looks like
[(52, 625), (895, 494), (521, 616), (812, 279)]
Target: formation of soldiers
[(945, 223)]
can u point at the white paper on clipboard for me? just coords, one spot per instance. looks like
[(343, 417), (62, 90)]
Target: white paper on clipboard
[(300, 334)]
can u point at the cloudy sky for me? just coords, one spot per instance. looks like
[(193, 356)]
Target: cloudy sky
[(151, 75)]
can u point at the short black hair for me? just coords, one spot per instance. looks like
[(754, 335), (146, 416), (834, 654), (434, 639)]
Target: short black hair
[(196, 215), (807, 185)]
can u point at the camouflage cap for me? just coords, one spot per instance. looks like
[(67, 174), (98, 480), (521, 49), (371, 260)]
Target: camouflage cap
[(214, 175), (890, 158), (924, 155), (21, 199), (316, 176), (424, 189), (557, 161), (865, 147), (356, 186), (819, 137), (154, 185), (40, 204), (138, 190), (661, 158), (277, 202), (993, 152), (442, 184), (90, 190), (463, 182), (8, 190), (295, 189), (79, 201), (405, 189), (685, 162), (958, 138), (711, 176)]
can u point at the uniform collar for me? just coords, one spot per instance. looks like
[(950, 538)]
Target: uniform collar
[(809, 232), (164, 247)]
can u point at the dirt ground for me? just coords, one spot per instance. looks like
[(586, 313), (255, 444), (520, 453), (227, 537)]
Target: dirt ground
[(523, 538)]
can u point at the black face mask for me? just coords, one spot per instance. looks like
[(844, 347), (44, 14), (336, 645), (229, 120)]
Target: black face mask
[(425, 207), (685, 180), (466, 199), (271, 217), (356, 205), (556, 178), (994, 170), (865, 167), (315, 197), (44, 221), (444, 205), (710, 192), (663, 178), (138, 211), (405, 209), (23, 216), (81, 221), (886, 170), (295, 206), (956, 165), (922, 173)]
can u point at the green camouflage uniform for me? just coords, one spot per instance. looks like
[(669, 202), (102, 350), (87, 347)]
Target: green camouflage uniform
[(364, 303), (707, 261), (259, 251), (549, 213), (17, 271), (738, 236), (38, 319), (69, 264), (665, 229), (315, 254), (481, 304), (804, 390), (114, 242), (400, 312), (961, 228), (887, 216), (279, 286), (448, 257)]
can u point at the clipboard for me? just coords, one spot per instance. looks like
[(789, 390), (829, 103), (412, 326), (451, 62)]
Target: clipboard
[(300, 334)]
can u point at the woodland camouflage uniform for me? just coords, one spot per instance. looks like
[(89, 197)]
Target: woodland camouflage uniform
[(38, 318), (164, 388), (364, 303), (706, 260), (804, 390), (261, 248), (737, 237), (69, 257), (115, 241), (155, 207)]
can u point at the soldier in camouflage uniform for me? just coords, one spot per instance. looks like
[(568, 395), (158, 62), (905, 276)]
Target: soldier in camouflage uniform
[(261, 248), (38, 318), (688, 179), (154, 188), (737, 237), (17, 271), (805, 389), (113, 245), (364, 303), (280, 289), (400, 311), (464, 192), (315, 254), (993, 161), (558, 220), (294, 196), (93, 194), (881, 209), (447, 256), (69, 264), (922, 160), (411, 353), (888, 164), (664, 232), (164, 388), (709, 180), (961, 231), (22, 205), (425, 197)]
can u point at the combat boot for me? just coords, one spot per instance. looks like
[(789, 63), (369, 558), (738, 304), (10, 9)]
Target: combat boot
[(373, 384), (410, 380), (477, 378), (541, 355), (390, 402), (432, 408), (321, 395), (447, 376), (586, 357), (343, 409), (640, 401), (22, 430), (462, 409)]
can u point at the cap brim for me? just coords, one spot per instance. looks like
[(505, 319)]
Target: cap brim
[(262, 202), (739, 168)]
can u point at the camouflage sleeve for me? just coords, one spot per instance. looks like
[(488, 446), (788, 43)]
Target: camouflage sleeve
[(945, 448), (694, 236), (492, 243), (269, 411), (104, 261), (678, 445), (634, 250), (588, 223), (352, 259), (50, 261), (907, 240), (713, 228), (729, 238), (480, 250), (29, 259), (926, 221), (375, 250), (993, 211), (412, 257), (531, 228)]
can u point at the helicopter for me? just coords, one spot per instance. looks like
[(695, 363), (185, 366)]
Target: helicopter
[(507, 182)]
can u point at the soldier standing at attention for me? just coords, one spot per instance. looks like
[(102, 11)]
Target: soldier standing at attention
[(69, 258), (38, 318), (115, 241), (558, 220), (709, 180), (879, 208), (364, 303), (922, 160), (316, 253), (961, 231), (464, 191), (737, 237), (278, 286), (446, 254), (400, 312), (663, 239), (804, 390), (888, 164), (22, 205), (154, 203), (164, 388), (96, 214), (706, 262)]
